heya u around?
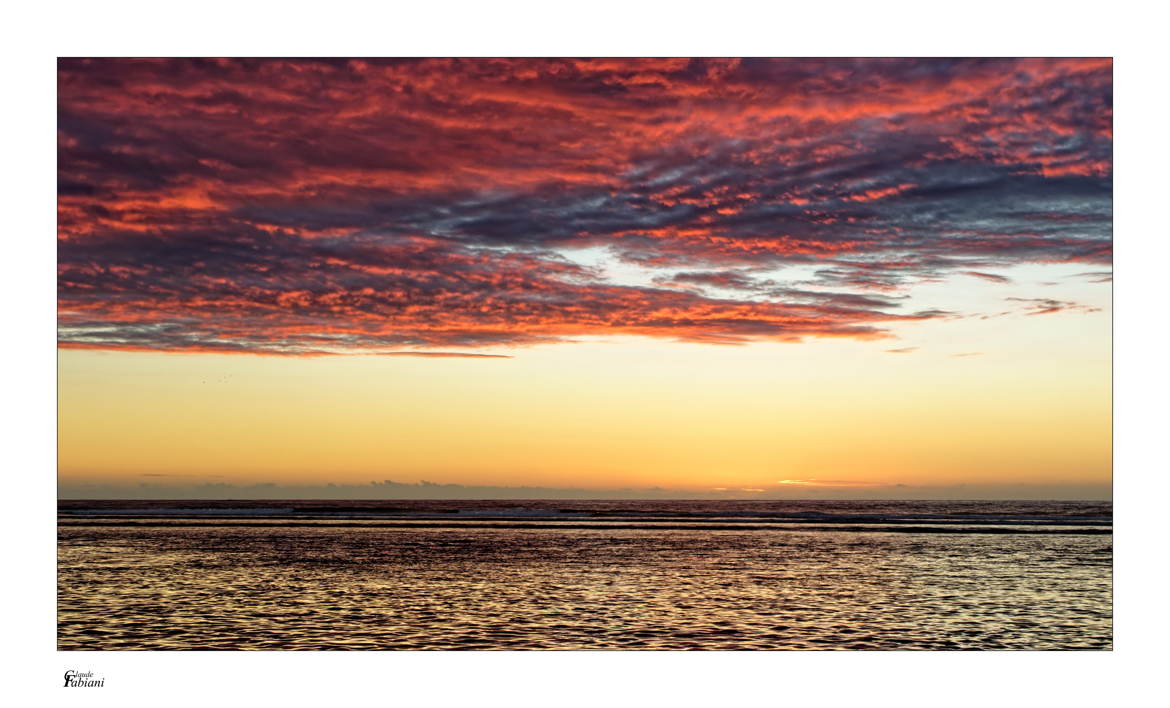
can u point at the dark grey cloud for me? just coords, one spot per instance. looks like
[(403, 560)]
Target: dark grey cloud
[(305, 206)]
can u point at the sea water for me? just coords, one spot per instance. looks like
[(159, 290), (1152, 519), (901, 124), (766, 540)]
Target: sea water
[(706, 575)]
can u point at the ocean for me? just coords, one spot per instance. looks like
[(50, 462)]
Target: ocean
[(582, 575)]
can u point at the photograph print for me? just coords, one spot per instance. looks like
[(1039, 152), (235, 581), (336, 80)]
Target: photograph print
[(584, 354)]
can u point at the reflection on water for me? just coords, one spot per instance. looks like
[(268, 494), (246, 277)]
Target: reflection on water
[(305, 587)]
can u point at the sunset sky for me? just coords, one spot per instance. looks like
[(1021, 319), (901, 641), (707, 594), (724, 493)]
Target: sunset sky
[(672, 277)]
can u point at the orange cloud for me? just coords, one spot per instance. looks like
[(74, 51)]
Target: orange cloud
[(333, 206)]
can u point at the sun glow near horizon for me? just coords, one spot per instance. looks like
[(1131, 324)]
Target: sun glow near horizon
[(601, 414)]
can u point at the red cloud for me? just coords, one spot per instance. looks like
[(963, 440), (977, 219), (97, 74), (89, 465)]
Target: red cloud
[(321, 206)]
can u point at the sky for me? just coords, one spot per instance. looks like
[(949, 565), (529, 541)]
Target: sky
[(692, 278)]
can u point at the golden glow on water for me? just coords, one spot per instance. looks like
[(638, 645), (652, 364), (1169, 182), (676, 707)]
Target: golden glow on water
[(331, 588)]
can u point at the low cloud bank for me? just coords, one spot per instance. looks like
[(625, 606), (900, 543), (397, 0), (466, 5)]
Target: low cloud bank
[(430, 490)]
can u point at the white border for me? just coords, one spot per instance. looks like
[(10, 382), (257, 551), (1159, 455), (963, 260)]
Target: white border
[(38, 34)]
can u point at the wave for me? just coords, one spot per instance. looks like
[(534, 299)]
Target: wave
[(903, 517)]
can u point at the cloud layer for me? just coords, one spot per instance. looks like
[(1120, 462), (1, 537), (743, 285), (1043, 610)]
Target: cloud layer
[(783, 489), (302, 207)]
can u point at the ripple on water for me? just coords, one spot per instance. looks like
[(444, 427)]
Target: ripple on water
[(379, 589)]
